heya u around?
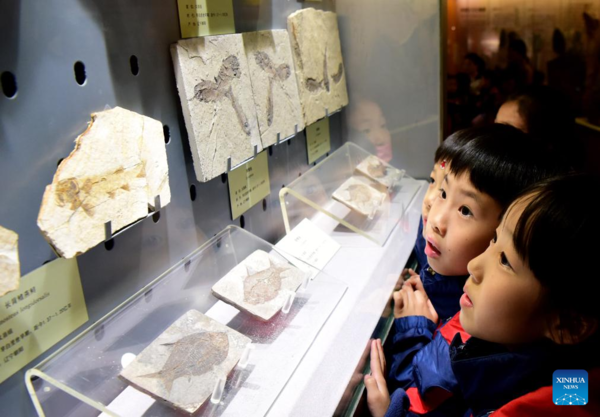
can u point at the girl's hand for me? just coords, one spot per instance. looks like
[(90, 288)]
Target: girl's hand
[(378, 397), (412, 300)]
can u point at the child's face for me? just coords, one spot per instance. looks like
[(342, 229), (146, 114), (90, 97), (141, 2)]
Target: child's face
[(435, 179), (503, 301), (460, 224)]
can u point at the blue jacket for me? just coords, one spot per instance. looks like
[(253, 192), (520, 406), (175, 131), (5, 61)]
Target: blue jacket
[(443, 291), (442, 375)]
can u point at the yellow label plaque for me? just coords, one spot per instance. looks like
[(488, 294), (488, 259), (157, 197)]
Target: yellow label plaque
[(48, 305), (317, 139), (205, 17), (249, 184)]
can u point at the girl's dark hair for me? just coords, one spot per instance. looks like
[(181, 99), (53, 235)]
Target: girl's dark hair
[(556, 230), (501, 161)]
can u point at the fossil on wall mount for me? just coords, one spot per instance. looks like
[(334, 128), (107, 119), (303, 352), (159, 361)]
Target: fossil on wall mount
[(216, 98), (274, 84)]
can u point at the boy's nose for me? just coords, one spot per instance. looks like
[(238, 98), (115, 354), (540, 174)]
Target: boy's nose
[(437, 221)]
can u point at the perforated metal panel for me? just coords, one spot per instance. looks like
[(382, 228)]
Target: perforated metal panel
[(41, 44)]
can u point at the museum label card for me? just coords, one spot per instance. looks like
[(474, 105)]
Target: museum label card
[(249, 184), (309, 244), (205, 17), (48, 305), (318, 142)]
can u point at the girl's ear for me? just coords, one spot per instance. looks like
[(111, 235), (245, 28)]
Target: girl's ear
[(571, 329)]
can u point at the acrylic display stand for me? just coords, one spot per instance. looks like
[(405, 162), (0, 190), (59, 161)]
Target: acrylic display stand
[(82, 377), (311, 196)]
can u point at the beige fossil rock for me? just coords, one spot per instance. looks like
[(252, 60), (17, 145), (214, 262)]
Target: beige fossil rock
[(259, 285), (183, 364), (10, 269), (216, 97), (379, 171), (274, 84), (118, 166), (317, 54), (361, 195)]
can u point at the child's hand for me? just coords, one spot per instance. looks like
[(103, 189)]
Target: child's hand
[(378, 398), (411, 300), (405, 275)]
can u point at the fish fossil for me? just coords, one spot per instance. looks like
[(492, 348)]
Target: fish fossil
[(264, 285), (359, 193), (279, 73), (192, 355), (212, 91), (376, 169)]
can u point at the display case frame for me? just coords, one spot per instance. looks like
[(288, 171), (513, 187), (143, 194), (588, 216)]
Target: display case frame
[(315, 192), (87, 368)]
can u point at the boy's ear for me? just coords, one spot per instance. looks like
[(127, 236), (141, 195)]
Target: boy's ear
[(576, 329)]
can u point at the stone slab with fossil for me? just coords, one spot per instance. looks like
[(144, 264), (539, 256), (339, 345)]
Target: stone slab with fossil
[(360, 194)]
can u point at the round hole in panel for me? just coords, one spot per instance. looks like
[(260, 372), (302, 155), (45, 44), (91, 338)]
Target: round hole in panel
[(80, 75), (264, 204), (167, 133), (242, 222), (9, 84), (134, 65), (156, 217), (193, 192), (109, 244), (223, 178)]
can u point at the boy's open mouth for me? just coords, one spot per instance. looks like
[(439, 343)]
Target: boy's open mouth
[(431, 250)]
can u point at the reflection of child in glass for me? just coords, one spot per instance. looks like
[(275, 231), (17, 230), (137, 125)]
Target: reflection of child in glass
[(520, 318), (366, 117), (485, 169)]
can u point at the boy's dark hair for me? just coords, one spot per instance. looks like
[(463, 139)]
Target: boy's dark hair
[(501, 161), (450, 147), (556, 228)]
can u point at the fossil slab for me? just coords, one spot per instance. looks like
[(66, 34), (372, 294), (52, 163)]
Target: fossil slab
[(379, 171), (216, 97), (10, 268), (118, 166), (274, 84), (183, 365), (317, 53), (259, 285), (360, 196)]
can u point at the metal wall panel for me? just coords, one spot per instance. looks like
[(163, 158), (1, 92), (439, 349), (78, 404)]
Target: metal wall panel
[(41, 40)]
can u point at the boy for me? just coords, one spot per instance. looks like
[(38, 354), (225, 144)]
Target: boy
[(491, 169), (499, 163)]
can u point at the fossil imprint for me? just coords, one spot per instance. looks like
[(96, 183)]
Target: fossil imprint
[(212, 91)]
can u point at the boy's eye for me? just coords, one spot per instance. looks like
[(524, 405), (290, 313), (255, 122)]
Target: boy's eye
[(465, 211), (495, 238), (504, 260)]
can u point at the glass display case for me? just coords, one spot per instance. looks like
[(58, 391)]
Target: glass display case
[(82, 378), (350, 191)]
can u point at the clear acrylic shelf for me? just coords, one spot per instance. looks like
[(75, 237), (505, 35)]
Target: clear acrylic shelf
[(319, 192), (82, 378)]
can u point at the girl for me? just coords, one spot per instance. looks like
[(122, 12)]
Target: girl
[(524, 312)]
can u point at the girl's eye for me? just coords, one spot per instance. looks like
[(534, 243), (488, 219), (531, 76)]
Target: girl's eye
[(443, 193), (465, 211), (504, 260)]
